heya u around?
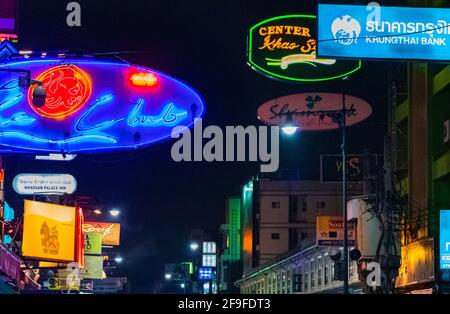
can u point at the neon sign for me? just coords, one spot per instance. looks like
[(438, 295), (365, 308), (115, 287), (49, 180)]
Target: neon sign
[(308, 110), (68, 89), (92, 106), (284, 47), (444, 239)]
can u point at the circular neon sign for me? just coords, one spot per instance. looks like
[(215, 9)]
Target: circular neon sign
[(68, 89)]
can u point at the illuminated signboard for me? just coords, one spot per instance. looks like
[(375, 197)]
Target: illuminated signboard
[(330, 231), (50, 232), (307, 110), (31, 183), (284, 47), (379, 32), (92, 106), (8, 10), (205, 273), (444, 236), (110, 231)]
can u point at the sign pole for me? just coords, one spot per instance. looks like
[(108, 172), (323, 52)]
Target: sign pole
[(344, 193)]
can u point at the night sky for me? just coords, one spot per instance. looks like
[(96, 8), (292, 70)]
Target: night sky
[(202, 43)]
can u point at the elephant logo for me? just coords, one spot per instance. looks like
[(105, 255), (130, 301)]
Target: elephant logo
[(346, 30), (49, 240)]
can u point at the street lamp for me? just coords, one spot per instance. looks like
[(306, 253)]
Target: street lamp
[(168, 276), (289, 127), (114, 212), (118, 259), (97, 211), (194, 246), (340, 118)]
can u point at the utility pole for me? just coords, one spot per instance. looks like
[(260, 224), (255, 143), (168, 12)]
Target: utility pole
[(344, 192)]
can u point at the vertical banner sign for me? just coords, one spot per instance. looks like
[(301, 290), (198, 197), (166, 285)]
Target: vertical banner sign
[(444, 235), (380, 32), (284, 47)]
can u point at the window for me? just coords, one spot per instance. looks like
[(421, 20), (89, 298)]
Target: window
[(275, 204), (306, 281), (209, 247), (304, 235), (320, 205), (319, 272), (209, 260), (275, 236), (304, 206)]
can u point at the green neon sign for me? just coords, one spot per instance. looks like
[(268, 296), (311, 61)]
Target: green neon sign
[(284, 47)]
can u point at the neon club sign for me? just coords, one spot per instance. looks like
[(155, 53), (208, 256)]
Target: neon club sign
[(92, 106), (284, 48)]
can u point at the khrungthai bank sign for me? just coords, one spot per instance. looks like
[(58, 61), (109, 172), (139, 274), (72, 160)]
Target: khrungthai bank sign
[(379, 32)]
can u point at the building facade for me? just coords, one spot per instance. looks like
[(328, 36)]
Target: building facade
[(299, 272), (229, 267), (422, 162), (280, 216)]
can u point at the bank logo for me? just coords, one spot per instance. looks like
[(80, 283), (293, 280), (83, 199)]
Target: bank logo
[(346, 30)]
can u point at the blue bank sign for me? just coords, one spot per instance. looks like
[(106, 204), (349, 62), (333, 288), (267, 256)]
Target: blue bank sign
[(444, 234), (357, 31)]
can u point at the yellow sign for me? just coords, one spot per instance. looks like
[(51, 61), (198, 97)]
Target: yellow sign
[(49, 231), (110, 231)]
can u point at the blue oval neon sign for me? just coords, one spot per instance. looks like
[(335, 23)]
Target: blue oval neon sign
[(92, 106)]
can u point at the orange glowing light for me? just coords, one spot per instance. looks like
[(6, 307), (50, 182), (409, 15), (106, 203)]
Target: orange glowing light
[(143, 79), (247, 241), (68, 89)]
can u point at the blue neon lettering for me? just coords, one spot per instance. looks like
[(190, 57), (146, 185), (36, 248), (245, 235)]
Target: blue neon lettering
[(170, 116), (20, 118), (80, 138), (11, 84), (80, 127)]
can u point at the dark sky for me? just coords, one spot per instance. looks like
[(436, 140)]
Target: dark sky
[(202, 43)]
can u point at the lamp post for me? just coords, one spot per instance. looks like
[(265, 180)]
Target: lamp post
[(340, 118)]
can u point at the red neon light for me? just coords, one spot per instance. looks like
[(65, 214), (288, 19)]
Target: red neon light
[(68, 89), (144, 79)]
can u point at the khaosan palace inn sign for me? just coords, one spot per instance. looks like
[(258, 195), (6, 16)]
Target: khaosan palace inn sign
[(92, 106), (284, 48), (379, 32)]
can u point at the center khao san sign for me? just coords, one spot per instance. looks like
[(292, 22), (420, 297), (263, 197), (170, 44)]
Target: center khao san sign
[(92, 106), (284, 48)]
